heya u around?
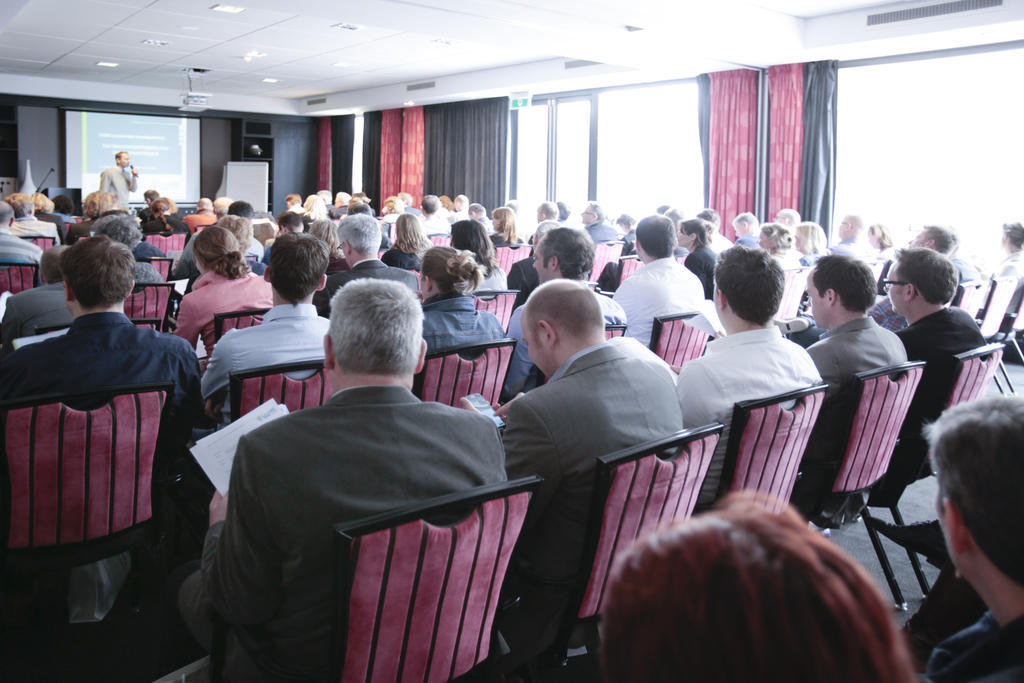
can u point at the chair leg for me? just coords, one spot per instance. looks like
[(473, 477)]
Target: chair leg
[(915, 562), (1006, 376), (883, 559)]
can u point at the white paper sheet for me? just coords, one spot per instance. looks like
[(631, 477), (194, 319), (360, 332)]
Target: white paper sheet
[(216, 453)]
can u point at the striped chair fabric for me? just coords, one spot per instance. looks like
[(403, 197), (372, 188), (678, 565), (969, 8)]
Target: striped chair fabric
[(499, 302), (674, 341), (450, 374), (17, 276), (296, 385), (506, 256)]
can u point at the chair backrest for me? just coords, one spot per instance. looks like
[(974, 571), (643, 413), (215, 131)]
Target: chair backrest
[(614, 331), (77, 468), (506, 256), (674, 341), (884, 399), (499, 302), (997, 302), (162, 264), (975, 370), (603, 253), (970, 296), (167, 243), (16, 276), (636, 491), (793, 293), (44, 242), (450, 374), (440, 240), (296, 385), (249, 317), (416, 600), (627, 266), (149, 302), (767, 438)]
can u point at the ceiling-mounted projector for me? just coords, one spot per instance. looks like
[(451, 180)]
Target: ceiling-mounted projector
[(195, 101)]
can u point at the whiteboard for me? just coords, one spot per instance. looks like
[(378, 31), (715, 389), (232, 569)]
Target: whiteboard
[(247, 181)]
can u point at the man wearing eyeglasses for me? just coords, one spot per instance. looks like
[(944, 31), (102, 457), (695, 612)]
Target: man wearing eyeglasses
[(595, 225)]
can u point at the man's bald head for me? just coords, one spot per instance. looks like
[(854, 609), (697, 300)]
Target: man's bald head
[(204, 204), (568, 306)]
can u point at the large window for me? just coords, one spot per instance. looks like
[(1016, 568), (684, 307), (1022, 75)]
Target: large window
[(531, 158), (936, 141), (572, 156)]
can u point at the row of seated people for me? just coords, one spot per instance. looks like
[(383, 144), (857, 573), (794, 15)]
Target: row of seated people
[(597, 398)]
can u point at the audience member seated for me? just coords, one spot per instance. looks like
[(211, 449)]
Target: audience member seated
[(145, 214), (94, 205), (662, 286), (411, 243), (267, 566), (597, 400), (742, 594), (810, 241), (44, 212), (314, 208), (472, 237), (264, 230), (433, 223), (326, 231), (244, 209), (561, 253), (340, 208), (881, 243), (841, 290), (976, 450), (596, 224), (14, 248), (391, 210), (695, 235), (788, 218), (777, 240), (1013, 264), (626, 225), (165, 219), (719, 242), (241, 228), (291, 331), (921, 282), (25, 222), (460, 206), (103, 348), (851, 229), (504, 222), (225, 284), (522, 275), (477, 212), (64, 208), (564, 212), (746, 227), (449, 316), (753, 361), (41, 306), (122, 228), (288, 221), (547, 211), (677, 216), (203, 216), (360, 239)]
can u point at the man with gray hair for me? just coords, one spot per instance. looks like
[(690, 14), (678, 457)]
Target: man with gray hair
[(267, 566), (14, 248), (746, 226), (596, 226), (432, 221), (122, 228), (850, 230), (478, 212), (360, 239), (25, 223)]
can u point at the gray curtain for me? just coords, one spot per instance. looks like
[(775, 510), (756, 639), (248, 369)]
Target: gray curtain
[(704, 128), (818, 184), (343, 134)]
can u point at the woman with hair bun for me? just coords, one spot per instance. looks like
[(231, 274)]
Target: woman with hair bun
[(744, 595), (225, 284), (450, 319)]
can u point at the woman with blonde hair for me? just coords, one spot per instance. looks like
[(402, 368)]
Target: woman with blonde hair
[(777, 240), (225, 284), (324, 230), (810, 241), (881, 239), (411, 242), (450, 317), (504, 222), (315, 208)]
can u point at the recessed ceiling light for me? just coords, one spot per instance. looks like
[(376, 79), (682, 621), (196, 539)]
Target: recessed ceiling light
[(109, 65), (155, 42), (443, 41), (342, 64), (189, 28), (253, 54), (270, 80), (230, 9), (346, 27), (408, 103)]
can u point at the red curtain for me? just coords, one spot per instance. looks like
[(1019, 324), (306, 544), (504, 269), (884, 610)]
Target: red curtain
[(785, 136), (732, 149), (390, 155), (412, 153), (323, 146)]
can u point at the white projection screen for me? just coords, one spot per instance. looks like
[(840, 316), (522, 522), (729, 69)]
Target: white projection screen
[(164, 150)]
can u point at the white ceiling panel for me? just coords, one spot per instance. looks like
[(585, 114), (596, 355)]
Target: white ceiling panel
[(202, 26), (200, 9)]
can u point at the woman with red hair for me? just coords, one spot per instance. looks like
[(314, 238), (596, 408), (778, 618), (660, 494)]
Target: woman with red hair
[(743, 594)]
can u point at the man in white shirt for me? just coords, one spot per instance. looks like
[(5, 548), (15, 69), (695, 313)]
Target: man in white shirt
[(291, 331), (662, 286), (14, 248), (432, 221), (752, 361)]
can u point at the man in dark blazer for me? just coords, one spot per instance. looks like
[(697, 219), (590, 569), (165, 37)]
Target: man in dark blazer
[(42, 306), (267, 563), (598, 399), (596, 225), (359, 235)]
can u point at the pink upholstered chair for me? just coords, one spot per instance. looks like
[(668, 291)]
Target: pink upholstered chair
[(614, 331), (627, 266), (976, 369), (604, 253), (42, 241), (167, 243), (440, 240), (767, 438), (162, 264), (17, 276), (296, 385), (223, 322), (793, 293), (676, 342), (506, 256), (77, 472), (417, 599), (450, 374), (996, 304), (636, 491), (147, 306), (499, 302), (970, 296)]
